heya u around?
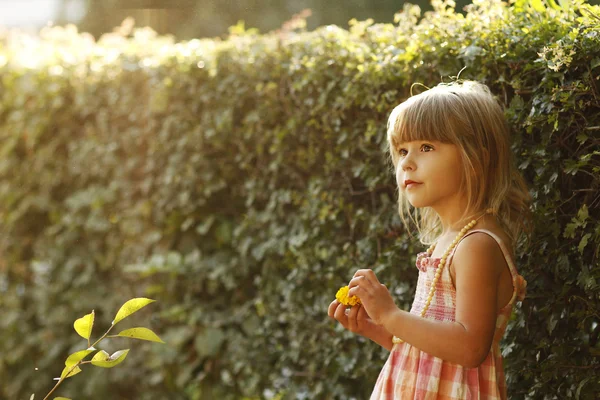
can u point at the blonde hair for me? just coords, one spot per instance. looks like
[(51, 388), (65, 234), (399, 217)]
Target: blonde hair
[(466, 114)]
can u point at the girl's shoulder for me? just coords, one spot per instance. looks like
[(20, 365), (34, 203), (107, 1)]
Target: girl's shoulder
[(496, 231), (480, 237), (500, 234)]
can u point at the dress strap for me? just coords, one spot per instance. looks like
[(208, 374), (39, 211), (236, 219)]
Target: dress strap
[(519, 283)]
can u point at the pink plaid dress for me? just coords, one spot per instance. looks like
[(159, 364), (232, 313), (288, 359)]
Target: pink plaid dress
[(410, 373)]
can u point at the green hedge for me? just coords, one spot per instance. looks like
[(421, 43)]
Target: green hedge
[(241, 182)]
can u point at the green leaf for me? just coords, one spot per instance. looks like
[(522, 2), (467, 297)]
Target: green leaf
[(78, 356), (537, 5), (583, 242), (130, 307), (580, 221), (83, 326), (102, 359), (581, 138), (519, 5), (551, 323), (61, 398), (583, 214), (140, 333), (65, 371), (580, 386)]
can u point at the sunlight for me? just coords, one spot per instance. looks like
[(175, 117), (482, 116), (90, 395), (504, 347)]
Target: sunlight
[(37, 13)]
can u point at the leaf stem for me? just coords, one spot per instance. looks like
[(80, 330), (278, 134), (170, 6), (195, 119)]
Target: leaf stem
[(76, 365), (61, 380), (54, 388), (103, 336)]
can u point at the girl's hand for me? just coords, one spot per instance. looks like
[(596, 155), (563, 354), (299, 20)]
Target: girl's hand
[(357, 320), (373, 295)]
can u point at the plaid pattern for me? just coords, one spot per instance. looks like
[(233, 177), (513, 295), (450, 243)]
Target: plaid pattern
[(410, 373)]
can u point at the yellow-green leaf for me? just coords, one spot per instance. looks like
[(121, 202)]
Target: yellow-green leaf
[(61, 398), (130, 307), (553, 4), (83, 326), (140, 333), (78, 356), (102, 359), (66, 370), (537, 5)]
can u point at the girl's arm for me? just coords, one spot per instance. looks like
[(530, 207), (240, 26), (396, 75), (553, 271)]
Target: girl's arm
[(478, 264), (381, 336)]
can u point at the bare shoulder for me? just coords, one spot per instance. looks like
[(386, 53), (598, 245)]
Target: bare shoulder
[(479, 250)]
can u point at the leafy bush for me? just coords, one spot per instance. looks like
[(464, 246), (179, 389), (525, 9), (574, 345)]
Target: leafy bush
[(243, 181)]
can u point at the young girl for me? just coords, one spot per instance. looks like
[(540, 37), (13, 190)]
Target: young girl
[(450, 147)]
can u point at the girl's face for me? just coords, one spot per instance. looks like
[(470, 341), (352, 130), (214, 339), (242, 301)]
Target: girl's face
[(437, 167)]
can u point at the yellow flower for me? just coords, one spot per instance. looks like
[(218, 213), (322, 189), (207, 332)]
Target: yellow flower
[(342, 297)]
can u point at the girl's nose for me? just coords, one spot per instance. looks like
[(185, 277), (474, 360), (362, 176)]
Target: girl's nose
[(406, 163)]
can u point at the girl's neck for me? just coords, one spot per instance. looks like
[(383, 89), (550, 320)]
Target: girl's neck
[(483, 221)]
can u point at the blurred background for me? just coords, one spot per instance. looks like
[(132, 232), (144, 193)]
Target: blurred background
[(187, 19)]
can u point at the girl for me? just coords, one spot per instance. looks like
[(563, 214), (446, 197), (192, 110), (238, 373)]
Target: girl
[(451, 152)]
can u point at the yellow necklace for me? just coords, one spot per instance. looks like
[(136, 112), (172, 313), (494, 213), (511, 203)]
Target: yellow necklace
[(438, 272)]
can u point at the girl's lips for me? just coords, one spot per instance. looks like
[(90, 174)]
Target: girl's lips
[(412, 185)]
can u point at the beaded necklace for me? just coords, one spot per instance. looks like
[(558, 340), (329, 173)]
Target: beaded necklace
[(438, 272)]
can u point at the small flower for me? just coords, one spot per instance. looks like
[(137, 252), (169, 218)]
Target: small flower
[(521, 288), (342, 297)]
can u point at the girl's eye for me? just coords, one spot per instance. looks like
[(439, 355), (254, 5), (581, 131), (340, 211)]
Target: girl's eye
[(425, 145)]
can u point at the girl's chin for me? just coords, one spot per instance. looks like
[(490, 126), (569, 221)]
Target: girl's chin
[(417, 204)]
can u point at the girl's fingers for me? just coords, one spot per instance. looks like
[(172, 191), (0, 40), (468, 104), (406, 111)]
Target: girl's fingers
[(332, 308), (359, 280), (359, 272), (340, 315), (352, 322), (362, 314), (354, 291), (373, 277), (367, 274)]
